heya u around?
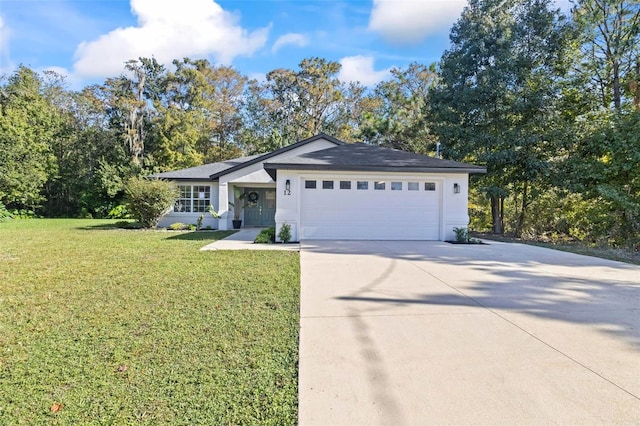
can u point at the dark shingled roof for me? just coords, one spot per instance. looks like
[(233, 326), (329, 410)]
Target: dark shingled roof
[(363, 157), (214, 170), (205, 171)]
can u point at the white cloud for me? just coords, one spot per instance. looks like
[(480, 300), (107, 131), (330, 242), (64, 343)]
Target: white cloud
[(167, 30), (360, 69), (410, 21), (6, 64), (291, 38)]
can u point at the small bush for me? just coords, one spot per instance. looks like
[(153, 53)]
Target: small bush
[(177, 226), (266, 236), (4, 213), (462, 235), (149, 199), (192, 227), (285, 233)]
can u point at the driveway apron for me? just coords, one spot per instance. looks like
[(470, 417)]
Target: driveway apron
[(432, 333)]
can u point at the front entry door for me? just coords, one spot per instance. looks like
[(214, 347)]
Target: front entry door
[(261, 207)]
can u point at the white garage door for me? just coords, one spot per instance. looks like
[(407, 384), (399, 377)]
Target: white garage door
[(370, 210)]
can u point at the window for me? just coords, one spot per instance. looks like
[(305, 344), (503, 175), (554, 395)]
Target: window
[(429, 186), (363, 184), (380, 185), (327, 184), (413, 186), (345, 184), (193, 199), (310, 184), (396, 186)]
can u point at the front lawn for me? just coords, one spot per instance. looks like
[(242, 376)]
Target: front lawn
[(101, 325)]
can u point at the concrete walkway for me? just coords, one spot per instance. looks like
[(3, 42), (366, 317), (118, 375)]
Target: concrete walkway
[(243, 240), (414, 333)]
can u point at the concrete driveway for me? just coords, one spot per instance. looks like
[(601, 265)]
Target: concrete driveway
[(432, 333)]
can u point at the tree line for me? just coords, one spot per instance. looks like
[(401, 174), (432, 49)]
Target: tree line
[(549, 103)]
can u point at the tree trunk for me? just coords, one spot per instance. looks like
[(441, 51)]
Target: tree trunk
[(523, 210), (497, 205)]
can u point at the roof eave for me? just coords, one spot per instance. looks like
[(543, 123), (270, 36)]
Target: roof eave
[(360, 168)]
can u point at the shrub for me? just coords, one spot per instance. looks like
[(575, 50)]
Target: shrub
[(4, 213), (149, 199), (177, 226), (285, 233), (462, 235), (266, 236)]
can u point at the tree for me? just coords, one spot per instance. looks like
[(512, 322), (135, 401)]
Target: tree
[(295, 104), (611, 47), (29, 127), (199, 115), (400, 117), (495, 101)]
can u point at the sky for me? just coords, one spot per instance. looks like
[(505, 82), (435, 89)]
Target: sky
[(89, 40)]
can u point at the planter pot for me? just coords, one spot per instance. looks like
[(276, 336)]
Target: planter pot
[(236, 224)]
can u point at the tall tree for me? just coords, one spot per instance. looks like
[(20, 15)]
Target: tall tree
[(495, 101), (199, 117), (295, 104), (129, 97), (400, 118), (611, 47), (29, 127)]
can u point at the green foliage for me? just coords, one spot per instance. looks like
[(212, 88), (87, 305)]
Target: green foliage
[(400, 115), (4, 213), (462, 234), (266, 236), (29, 125), (178, 226), (149, 199), (153, 331), (496, 101), (285, 233), (119, 212)]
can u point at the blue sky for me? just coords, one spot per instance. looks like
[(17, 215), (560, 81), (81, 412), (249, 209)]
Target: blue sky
[(89, 40)]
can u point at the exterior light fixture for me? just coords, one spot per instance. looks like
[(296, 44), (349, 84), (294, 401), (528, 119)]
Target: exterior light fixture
[(456, 188), (287, 187)]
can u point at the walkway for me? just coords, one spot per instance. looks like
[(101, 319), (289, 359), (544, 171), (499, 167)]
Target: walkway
[(243, 240), (414, 333)]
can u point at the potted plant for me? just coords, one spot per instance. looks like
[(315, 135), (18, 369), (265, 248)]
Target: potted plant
[(237, 207)]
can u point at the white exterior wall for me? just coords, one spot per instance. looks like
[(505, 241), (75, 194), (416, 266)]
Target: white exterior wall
[(192, 218), (453, 207), (255, 176)]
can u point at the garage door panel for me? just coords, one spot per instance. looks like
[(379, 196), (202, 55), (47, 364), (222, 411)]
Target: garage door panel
[(370, 214)]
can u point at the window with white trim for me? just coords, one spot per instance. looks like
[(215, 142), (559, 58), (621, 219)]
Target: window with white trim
[(193, 199)]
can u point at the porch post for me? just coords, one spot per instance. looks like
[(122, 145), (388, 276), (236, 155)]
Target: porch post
[(223, 206)]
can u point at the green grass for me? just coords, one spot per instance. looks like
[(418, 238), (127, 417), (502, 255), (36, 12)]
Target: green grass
[(611, 253), (122, 326)]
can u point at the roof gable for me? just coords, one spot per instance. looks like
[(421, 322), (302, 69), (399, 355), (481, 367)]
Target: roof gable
[(213, 171), (277, 152)]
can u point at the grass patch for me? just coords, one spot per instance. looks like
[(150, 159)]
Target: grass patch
[(120, 326), (617, 254)]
